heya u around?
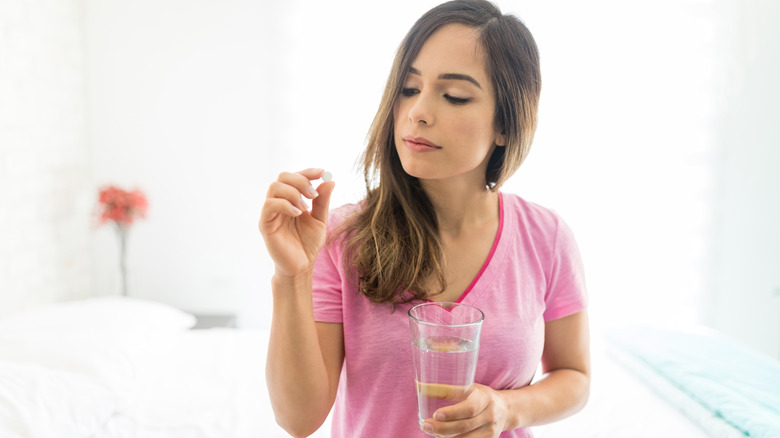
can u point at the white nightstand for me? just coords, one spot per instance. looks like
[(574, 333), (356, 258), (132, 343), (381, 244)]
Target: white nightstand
[(207, 321)]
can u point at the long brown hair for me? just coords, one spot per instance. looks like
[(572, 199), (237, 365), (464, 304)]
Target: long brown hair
[(392, 242)]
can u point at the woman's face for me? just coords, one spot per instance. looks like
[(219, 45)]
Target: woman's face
[(444, 118)]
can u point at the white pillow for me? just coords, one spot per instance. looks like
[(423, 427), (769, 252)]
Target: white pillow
[(111, 313), (37, 402)]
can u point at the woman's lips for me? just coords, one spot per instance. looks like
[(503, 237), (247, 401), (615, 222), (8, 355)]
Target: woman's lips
[(419, 144)]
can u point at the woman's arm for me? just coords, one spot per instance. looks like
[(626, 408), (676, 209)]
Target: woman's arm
[(563, 390), (565, 387), (304, 357)]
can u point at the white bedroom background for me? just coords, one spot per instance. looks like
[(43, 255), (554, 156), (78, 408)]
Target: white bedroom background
[(177, 107), (657, 143)]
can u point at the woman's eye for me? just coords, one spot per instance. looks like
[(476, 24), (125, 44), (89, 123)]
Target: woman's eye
[(409, 91), (456, 100)]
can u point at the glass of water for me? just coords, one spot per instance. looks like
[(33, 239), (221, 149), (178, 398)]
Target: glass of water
[(445, 344)]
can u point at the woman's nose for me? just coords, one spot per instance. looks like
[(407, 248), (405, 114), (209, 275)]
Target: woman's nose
[(420, 111)]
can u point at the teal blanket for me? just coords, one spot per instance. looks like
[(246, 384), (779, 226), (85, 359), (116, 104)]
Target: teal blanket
[(734, 382)]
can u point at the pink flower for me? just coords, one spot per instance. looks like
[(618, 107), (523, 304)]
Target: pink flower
[(121, 206)]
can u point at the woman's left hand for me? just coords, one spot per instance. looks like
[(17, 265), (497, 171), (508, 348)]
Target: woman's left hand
[(483, 413)]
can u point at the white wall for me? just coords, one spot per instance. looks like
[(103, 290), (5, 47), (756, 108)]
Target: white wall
[(45, 196), (177, 104)]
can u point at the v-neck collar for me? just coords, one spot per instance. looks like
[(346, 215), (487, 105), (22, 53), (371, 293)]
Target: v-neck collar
[(490, 254)]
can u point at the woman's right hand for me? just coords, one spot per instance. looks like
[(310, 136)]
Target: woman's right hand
[(294, 235)]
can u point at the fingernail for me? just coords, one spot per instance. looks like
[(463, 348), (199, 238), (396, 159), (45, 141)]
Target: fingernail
[(302, 205), (312, 192), (427, 428), (438, 416)]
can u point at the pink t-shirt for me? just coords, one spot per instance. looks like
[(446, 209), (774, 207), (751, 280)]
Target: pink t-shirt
[(532, 275)]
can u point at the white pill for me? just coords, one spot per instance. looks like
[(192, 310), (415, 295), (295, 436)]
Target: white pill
[(327, 176)]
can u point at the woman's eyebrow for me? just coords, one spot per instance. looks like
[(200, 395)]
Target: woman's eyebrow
[(450, 76)]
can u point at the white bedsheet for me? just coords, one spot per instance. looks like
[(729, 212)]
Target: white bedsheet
[(203, 384)]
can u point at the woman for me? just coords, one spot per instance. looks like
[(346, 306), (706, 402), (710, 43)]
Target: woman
[(456, 120)]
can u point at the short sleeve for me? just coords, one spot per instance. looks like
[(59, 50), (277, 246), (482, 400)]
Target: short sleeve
[(566, 292), (326, 285)]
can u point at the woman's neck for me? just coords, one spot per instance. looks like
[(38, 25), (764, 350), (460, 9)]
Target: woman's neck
[(461, 207)]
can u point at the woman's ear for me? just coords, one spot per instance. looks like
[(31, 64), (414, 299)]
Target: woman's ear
[(501, 139)]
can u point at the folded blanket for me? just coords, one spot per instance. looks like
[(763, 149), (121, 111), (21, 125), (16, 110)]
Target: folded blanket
[(734, 382)]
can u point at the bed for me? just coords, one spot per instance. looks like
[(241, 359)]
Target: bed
[(114, 367), (118, 367)]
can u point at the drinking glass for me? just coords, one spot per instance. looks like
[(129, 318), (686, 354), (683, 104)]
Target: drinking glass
[(445, 344)]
